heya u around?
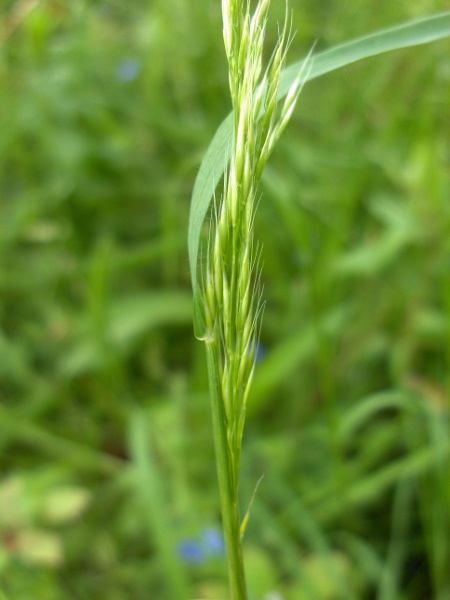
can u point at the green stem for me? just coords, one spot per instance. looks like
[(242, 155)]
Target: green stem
[(228, 491)]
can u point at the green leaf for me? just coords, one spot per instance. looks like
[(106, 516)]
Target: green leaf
[(217, 156), (148, 480)]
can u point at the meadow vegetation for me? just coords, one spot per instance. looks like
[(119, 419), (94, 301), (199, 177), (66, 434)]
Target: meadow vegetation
[(108, 484)]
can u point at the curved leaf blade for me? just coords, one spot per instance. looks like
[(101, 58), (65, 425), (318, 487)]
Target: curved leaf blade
[(408, 34)]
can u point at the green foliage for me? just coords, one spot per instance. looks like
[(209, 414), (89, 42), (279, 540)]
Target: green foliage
[(106, 111)]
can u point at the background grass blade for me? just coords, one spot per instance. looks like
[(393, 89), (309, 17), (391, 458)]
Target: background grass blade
[(414, 33), (149, 486)]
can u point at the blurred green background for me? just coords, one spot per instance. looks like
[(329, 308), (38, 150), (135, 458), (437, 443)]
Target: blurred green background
[(107, 482)]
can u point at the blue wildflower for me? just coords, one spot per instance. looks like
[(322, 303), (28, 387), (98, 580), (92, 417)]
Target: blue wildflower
[(209, 545), (212, 542), (128, 69), (191, 551)]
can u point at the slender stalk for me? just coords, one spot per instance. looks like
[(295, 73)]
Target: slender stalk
[(228, 495)]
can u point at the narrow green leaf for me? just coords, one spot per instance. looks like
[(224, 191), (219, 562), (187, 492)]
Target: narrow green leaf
[(148, 482), (365, 489), (365, 409), (217, 156), (412, 33)]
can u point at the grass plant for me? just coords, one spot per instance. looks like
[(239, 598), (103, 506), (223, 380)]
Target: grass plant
[(231, 297)]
